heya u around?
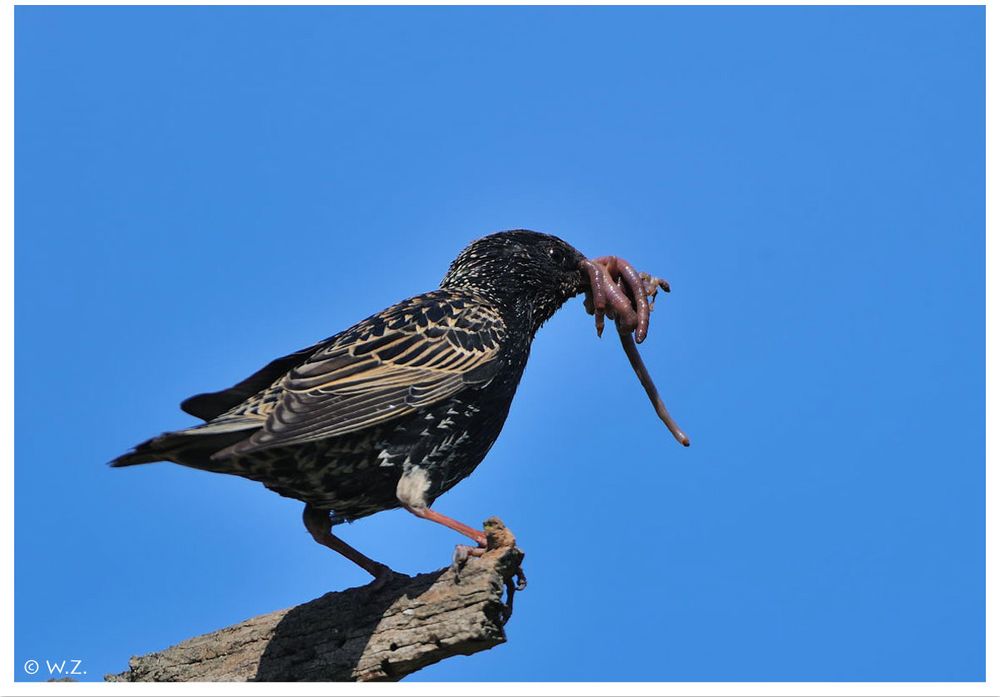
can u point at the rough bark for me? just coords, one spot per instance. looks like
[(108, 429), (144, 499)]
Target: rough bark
[(359, 634)]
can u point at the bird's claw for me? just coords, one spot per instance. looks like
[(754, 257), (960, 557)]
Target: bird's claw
[(462, 554), (383, 577)]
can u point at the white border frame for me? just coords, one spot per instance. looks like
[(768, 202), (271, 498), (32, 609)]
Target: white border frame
[(7, 669)]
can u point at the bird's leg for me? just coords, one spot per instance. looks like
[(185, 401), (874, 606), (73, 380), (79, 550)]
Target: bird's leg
[(462, 552), (427, 514), (411, 492), (317, 521)]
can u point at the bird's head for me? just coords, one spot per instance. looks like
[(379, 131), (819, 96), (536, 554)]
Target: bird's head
[(529, 272)]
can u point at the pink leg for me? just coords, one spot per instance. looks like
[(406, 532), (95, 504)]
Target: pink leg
[(427, 514)]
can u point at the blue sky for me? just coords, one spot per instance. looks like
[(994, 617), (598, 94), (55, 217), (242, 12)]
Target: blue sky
[(199, 190)]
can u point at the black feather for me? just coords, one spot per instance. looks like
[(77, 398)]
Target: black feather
[(208, 405)]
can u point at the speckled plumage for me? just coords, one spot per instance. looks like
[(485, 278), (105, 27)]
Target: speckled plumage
[(400, 407)]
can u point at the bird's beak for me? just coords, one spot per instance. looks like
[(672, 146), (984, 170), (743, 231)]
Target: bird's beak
[(581, 278)]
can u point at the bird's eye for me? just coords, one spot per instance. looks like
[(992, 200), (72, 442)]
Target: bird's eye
[(558, 256)]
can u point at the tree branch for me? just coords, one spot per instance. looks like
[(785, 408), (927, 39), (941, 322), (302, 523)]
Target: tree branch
[(357, 634)]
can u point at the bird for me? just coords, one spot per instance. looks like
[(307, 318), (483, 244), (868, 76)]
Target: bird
[(394, 411)]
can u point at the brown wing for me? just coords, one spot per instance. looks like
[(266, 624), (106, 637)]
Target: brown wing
[(414, 354)]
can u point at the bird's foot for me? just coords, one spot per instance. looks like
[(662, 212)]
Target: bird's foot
[(462, 554), (382, 577)]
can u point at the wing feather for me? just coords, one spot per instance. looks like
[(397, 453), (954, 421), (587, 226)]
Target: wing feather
[(415, 354), (211, 405)]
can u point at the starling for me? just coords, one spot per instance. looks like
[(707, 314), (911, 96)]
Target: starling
[(399, 408)]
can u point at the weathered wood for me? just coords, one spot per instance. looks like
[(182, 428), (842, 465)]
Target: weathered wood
[(359, 634)]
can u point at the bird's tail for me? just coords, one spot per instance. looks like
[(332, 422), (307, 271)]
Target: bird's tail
[(192, 446)]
